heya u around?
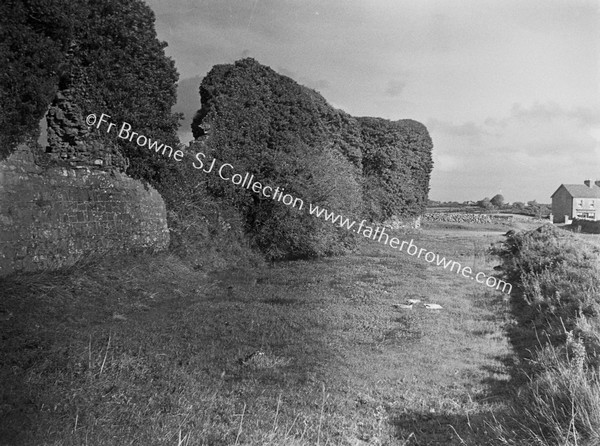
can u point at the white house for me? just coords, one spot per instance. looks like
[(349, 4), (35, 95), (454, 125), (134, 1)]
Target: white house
[(576, 201)]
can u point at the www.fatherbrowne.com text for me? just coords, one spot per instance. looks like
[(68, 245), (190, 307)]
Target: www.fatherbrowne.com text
[(226, 172)]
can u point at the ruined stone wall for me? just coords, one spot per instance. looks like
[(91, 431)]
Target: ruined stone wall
[(69, 137), (52, 216)]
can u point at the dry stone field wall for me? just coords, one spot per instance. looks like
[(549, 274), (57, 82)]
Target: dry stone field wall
[(459, 217), (52, 216)]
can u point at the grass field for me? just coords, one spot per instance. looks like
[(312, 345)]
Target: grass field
[(144, 350)]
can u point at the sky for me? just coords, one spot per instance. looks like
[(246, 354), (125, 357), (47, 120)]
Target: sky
[(508, 89)]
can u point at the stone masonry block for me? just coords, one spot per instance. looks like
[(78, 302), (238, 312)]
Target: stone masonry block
[(52, 217)]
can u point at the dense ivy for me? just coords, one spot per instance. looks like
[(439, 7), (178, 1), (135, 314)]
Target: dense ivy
[(32, 47), (396, 165), (121, 70), (105, 53), (104, 56), (289, 136), (285, 134)]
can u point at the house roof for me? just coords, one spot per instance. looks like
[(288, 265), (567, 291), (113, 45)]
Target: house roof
[(580, 190)]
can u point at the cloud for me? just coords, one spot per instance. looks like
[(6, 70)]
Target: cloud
[(549, 129), (447, 162), (315, 84), (468, 130), (395, 87), (548, 112), (530, 150), (530, 67), (188, 103), (552, 112), (540, 129), (286, 72)]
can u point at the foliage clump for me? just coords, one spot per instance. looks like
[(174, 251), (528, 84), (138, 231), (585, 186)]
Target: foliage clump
[(557, 334), (268, 125), (32, 48), (82, 57), (288, 135), (104, 57), (396, 167)]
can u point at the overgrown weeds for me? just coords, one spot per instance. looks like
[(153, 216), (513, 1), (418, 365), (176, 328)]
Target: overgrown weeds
[(205, 231), (557, 336)]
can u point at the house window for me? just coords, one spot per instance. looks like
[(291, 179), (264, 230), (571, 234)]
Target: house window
[(580, 203), (586, 215)]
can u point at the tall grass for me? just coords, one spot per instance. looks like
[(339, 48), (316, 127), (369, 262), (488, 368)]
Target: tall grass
[(557, 336)]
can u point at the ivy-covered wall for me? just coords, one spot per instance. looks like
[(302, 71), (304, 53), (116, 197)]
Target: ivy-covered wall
[(286, 134)]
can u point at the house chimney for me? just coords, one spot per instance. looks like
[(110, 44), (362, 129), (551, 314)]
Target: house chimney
[(588, 183)]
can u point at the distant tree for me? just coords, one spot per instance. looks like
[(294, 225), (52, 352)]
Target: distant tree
[(519, 205), (536, 209), (497, 200), (486, 203), (539, 210)]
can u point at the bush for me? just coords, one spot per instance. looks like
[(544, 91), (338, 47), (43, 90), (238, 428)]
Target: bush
[(206, 232), (267, 125), (558, 315), (32, 48), (288, 136), (396, 166), (104, 57), (586, 226)]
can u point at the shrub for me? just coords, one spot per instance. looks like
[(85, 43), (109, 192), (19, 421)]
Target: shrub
[(287, 135), (104, 57), (586, 226), (396, 166), (267, 125), (32, 47), (558, 312), (119, 68)]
